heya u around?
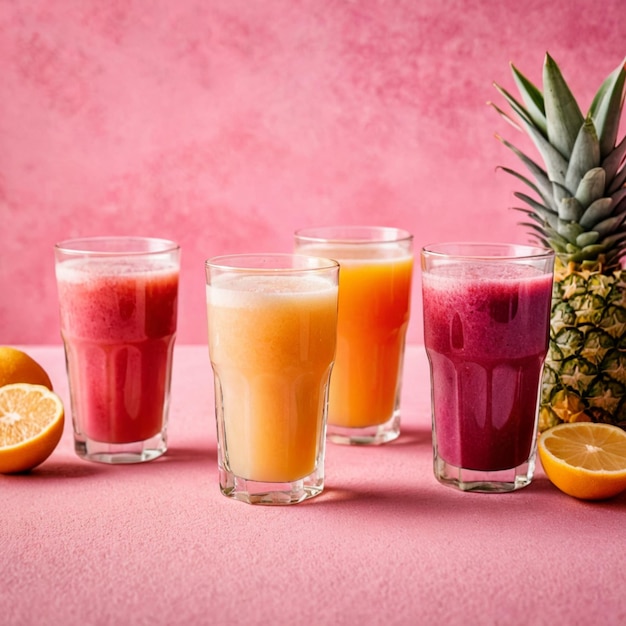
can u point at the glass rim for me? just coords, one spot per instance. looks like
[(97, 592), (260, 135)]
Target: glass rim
[(96, 246), (500, 251), (227, 262), (348, 234)]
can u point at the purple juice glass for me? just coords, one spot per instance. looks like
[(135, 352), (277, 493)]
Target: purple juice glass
[(486, 332)]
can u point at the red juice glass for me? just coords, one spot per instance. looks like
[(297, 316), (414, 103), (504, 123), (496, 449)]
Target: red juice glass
[(486, 330), (118, 299)]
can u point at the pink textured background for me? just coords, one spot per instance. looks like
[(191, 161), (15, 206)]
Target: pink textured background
[(226, 124)]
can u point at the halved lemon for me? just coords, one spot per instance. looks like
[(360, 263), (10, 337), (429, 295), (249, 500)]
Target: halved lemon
[(31, 425), (586, 460)]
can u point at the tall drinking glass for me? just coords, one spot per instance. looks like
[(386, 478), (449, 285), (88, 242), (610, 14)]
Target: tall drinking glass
[(118, 300), (272, 334), (374, 308), (486, 330)]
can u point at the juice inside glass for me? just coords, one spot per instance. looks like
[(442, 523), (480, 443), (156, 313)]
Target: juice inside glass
[(486, 330), (376, 265), (118, 308), (272, 323)]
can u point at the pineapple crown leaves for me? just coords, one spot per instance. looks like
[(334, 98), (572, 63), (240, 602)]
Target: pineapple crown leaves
[(580, 210)]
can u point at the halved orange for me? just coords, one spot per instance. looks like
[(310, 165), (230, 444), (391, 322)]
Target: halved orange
[(31, 425), (586, 460)]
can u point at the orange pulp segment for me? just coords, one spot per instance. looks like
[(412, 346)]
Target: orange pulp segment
[(584, 459), (31, 425)]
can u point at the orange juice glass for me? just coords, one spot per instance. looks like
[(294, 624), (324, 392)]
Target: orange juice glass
[(376, 265), (272, 323)]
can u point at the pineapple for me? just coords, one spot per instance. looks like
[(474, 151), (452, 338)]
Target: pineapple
[(577, 207)]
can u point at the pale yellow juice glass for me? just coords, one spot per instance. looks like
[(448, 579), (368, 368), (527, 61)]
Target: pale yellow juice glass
[(272, 322), (376, 265)]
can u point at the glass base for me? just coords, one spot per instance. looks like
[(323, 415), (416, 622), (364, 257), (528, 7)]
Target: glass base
[(367, 435), (120, 453), (254, 492), (500, 481)]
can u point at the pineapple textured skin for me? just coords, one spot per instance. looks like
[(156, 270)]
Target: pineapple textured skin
[(584, 375)]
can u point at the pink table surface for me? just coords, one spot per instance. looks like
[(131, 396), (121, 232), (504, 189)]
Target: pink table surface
[(85, 543)]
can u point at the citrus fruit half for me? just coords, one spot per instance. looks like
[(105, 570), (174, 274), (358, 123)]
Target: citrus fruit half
[(18, 367), (584, 459), (31, 425)]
